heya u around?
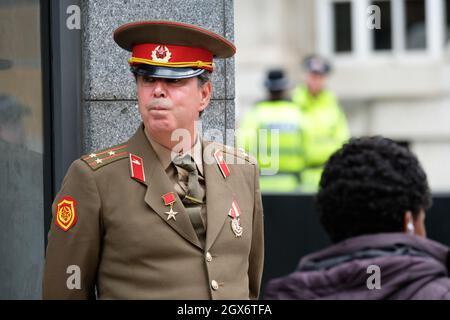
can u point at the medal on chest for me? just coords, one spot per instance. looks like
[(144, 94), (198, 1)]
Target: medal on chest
[(235, 213), (169, 200)]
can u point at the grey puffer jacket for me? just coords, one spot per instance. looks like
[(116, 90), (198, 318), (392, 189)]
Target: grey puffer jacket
[(411, 267)]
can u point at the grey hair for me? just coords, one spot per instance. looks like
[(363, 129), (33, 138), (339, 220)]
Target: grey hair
[(203, 78)]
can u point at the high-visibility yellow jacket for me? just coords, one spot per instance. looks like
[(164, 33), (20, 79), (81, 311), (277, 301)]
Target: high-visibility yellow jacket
[(324, 130), (271, 131)]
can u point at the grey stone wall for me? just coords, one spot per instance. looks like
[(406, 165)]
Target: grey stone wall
[(110, 115)]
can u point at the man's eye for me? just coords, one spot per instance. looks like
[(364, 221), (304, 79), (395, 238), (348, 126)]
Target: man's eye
[(173, 80), (148, 79)]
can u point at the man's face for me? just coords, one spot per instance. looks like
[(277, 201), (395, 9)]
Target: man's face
[(169, 104), (315, 82), (13, 133)]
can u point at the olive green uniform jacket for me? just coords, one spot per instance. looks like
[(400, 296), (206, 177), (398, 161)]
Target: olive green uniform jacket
[(122, 246)]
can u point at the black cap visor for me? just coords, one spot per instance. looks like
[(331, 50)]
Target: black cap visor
[(165, 72)]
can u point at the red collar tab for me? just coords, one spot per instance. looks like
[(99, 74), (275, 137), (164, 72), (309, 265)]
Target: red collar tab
[(137, 168), (218, 155)]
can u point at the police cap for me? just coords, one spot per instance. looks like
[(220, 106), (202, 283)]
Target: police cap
[(317, 64)]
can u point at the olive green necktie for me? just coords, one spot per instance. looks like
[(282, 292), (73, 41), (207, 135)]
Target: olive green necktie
[(194, 197)]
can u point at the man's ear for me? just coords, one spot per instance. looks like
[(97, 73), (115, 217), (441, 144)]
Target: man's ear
[(205, 95)]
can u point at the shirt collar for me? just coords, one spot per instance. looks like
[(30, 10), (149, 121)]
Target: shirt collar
[(165, 155)]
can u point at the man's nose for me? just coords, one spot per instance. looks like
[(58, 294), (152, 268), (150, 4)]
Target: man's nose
[(160, 89)]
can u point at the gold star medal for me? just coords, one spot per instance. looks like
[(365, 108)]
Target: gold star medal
[(169, 200)]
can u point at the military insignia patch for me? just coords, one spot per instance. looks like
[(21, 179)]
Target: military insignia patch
[(66, 214), (218, 155), (100, 159), (137, 168), (161, 54)]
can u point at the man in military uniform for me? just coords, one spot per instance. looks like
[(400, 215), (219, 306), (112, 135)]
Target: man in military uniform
[(153, 218)]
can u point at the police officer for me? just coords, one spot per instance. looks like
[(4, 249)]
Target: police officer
[(324, 125), (153, 218), (272, 132)]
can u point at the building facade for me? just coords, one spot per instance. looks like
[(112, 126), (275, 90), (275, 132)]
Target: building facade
[(391, 81)]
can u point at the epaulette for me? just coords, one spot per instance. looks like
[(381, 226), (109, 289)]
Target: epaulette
[(103, 157), (239, 153)]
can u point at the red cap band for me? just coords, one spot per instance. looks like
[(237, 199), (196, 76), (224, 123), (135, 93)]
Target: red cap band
[(172, 56)]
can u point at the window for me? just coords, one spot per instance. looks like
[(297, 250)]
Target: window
[(21, 150), (447, 21), (407, 27), (382, 38), (415, 27), (342, 27)]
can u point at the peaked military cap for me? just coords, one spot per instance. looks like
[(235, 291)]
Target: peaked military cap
[(168, 49)]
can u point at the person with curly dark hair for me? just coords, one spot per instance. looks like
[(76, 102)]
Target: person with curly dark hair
[(372, 200)]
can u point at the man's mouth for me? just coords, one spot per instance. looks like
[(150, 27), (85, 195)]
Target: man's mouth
[(159, 108)]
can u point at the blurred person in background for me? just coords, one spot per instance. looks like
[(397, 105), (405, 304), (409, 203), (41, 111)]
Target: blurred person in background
[(277, 112), (372, 200), (19, 172), (324, 126), (12, 113)]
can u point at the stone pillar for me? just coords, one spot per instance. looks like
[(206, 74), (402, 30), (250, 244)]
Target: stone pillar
[(110, 113)]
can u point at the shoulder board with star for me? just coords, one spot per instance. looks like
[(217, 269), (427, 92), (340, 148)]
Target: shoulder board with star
[(239, 152), (101, 158)]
